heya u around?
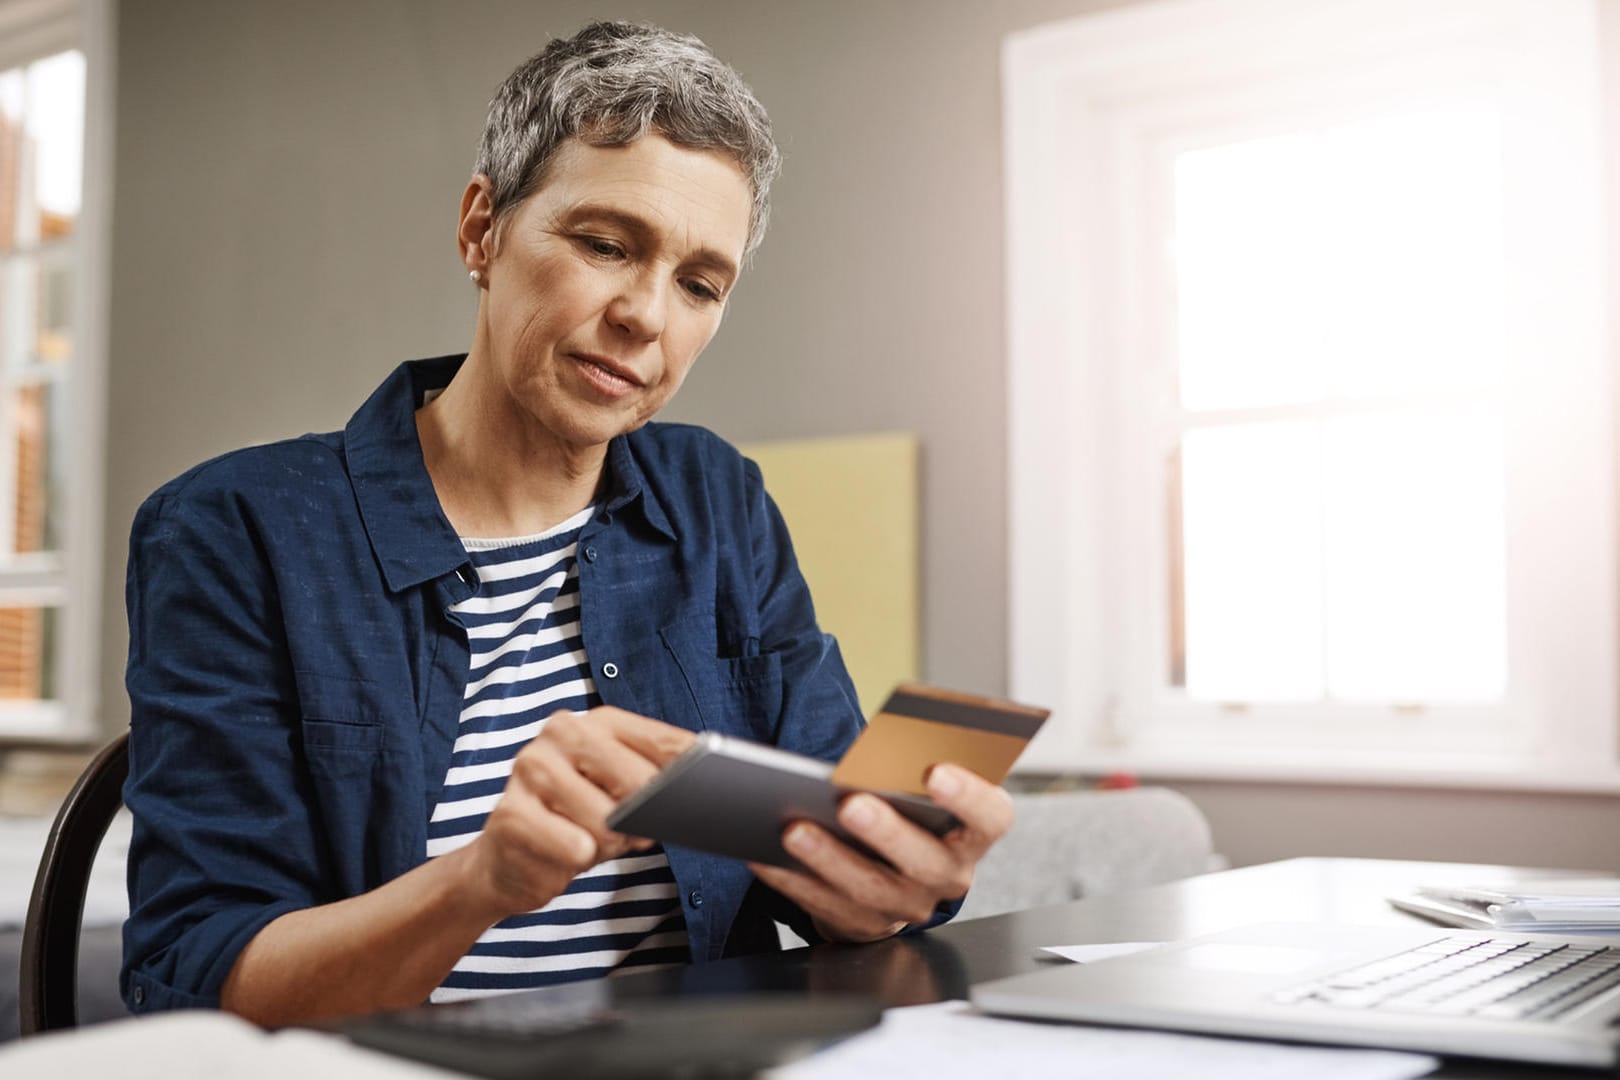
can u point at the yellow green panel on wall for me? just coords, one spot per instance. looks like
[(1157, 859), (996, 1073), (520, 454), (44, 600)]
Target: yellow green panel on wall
[(851, 504)]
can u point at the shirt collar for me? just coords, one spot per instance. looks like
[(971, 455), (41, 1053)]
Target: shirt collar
[(413, 540), (627, 485)]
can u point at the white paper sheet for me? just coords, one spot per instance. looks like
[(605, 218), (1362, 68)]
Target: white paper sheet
[(199, 1045), (1086, 954), (951, 1039)]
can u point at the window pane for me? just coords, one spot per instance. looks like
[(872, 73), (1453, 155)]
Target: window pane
[(28, 638), (1412, 274), (1415, 556), (18, 307), (1248, 232), (1252, 510), (54, 130), (12, 106), (39, 428), (1356, 260), (53, 341)]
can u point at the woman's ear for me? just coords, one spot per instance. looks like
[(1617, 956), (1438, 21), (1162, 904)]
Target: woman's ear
[(475, 230)]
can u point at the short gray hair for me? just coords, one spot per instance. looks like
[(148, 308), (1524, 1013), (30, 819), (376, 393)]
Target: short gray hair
[(609, 85)]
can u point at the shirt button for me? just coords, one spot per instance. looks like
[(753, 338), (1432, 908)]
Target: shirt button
[(590, 554), (695, 898), (610, 669), (139, 995)]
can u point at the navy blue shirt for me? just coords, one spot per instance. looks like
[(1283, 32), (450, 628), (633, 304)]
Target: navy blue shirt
[(296, 677)]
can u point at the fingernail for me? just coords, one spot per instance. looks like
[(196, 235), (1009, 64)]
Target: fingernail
[(943, 782), (859, 813), (800, 838)]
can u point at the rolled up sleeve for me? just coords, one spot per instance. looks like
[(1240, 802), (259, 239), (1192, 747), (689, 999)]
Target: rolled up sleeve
[(225, 837)]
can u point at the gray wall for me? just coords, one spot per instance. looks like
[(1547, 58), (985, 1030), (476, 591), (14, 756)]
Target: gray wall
[(287, 179)]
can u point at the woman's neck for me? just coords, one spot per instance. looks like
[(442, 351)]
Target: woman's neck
[(496, 473)]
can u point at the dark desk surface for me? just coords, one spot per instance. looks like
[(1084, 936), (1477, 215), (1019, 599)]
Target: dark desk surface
[(943, 963)]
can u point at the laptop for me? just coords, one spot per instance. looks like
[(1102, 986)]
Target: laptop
[(1524, 997)]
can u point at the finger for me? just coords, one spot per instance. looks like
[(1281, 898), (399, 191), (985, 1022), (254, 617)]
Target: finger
[(630, 842), (984, 809), (913, 851), (530, 852), (799, 887), (597, 753), (549, 771), (545, 771), (557, 839), (826, 905), (655, 740), (862, 881)]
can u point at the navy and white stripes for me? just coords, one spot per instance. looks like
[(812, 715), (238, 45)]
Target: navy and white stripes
[(528, 662)]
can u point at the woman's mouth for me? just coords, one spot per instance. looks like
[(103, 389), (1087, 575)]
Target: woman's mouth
[(611, 379)]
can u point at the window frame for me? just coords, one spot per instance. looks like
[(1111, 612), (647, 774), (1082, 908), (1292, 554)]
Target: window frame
[(1095, 109), (31, 30)]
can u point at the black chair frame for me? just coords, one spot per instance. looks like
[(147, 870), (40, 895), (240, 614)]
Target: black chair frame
[(49, 971)]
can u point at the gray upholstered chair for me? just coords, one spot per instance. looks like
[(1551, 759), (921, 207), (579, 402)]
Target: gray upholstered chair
[(1073, 844)]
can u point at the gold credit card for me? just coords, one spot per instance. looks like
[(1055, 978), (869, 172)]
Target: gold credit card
[(921, 726)]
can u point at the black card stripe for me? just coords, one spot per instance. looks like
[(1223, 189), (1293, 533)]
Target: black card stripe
[(959, 714)]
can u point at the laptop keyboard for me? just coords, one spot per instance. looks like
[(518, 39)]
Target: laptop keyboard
[(1483, 977)]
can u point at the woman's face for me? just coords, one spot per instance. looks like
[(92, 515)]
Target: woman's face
[(605, 284)]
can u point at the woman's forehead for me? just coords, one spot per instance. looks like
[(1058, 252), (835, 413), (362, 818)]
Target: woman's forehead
[(689, 196)]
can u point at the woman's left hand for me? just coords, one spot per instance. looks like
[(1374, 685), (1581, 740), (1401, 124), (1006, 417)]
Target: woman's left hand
[(854, 898)]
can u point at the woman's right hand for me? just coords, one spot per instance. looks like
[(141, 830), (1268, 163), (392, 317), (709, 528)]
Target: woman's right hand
[(343, 958), (551, 821)]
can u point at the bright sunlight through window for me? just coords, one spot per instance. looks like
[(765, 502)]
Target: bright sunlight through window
[(1340, 355)]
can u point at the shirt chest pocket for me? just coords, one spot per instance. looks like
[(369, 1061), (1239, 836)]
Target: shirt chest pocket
[(354, 765), (340, 716), (736, 694)]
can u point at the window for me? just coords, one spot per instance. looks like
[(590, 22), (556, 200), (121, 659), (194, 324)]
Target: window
[(52, 248), (1336, 413), (1311, 463)]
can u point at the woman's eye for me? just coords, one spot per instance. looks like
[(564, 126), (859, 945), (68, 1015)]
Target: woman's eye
[(702, 291), (605, 248)]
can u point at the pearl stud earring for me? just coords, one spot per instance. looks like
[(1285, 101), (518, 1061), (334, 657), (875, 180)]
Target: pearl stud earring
[(475, 275)]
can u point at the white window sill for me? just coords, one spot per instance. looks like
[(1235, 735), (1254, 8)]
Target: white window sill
[(46, 724), (1487, 772)]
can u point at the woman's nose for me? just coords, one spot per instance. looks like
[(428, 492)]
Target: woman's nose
[(639, 309)]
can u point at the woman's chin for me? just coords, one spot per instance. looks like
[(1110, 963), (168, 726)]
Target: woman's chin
[(584, 426)]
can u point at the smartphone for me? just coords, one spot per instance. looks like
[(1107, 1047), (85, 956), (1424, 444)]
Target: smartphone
[(728, 796)]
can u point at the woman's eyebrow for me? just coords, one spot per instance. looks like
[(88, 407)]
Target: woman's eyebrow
[(640, 229)]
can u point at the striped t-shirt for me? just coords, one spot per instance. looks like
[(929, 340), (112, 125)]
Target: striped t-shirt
[(528, 662)]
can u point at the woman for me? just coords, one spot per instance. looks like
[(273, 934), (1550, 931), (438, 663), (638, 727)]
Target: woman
[(388, 682)]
